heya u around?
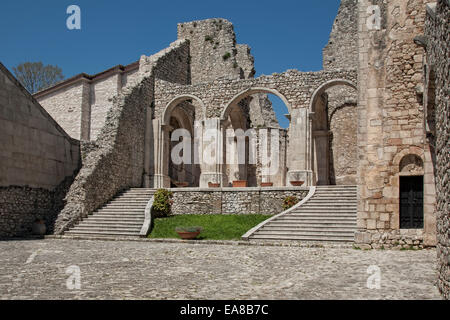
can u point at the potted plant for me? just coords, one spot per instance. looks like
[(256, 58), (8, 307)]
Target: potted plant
[(213, 185), (297, 183), (239, 183), (289, 202), (180, 184), (38, 227), (266, 184), (188, 232)]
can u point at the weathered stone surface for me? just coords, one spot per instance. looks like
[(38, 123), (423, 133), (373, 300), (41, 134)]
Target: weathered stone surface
[(390, 115), (115, 161), (232, 201), (438, 126), (37, 160), (126, 270)]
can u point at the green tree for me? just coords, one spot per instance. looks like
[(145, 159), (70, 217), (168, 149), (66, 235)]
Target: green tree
[(34, 76)]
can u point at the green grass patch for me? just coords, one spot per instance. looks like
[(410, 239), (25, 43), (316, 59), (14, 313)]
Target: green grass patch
[(215, 227)]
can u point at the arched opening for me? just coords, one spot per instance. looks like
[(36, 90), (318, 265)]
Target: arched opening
[(256, 113), (180, 149), (411, 192), (334, 133)]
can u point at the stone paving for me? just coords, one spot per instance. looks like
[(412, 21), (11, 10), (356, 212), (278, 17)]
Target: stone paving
[(36, 269)]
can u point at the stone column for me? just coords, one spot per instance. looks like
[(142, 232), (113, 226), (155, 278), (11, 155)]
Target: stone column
[(298, 148), (149, 150), (322, 157), (211, 152), (161, 177)]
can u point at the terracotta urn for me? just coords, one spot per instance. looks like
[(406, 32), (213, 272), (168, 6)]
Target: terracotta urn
[(188, 235), (181, 184), (39, 228), (266, 184), (188, 232), (239, 183), (297, 183), (213, 185)]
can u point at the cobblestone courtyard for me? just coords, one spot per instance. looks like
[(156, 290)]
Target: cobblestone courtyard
[(36, 269)]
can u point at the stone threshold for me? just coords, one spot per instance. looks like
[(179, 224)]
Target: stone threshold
[(266, 243)]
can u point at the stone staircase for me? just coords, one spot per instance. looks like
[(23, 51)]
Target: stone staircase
[(122, 216), (329, 215)]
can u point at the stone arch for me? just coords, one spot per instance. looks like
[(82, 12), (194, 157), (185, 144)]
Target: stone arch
[(325, 86), (179, 114), (323, 160), (400, 156), (165, 117), (248, 92)]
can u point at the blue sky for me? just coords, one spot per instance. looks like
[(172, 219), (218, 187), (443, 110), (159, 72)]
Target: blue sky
[(282, 34)]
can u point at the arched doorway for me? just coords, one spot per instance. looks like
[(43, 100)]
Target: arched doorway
[(334, 133), (179, 150), (251, 115)]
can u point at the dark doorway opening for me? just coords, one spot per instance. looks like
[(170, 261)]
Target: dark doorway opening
[(411, 202)]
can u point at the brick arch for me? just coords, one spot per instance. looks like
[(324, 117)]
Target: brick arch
[(411, 150), (165, 117), (325, 86), (248, 92)]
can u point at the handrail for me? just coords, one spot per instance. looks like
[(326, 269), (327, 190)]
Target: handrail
[(148, 218), (311, 192)]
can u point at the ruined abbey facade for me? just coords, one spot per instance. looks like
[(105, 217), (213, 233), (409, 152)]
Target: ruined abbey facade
[(376, 116)]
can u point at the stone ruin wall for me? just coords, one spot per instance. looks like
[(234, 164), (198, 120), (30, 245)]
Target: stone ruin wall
[(233, 200), (438, 51), (391, 124), (37, 160), (211, 41), (341, 52), (115, 161)]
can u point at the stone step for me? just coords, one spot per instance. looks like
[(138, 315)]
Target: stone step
[(122, 206), (320, 215), (120, 216), (338, 229), (331, 233), (121, 210), (332, 199), (108, 228), (281, 224), (115, 220), (303, 238), (337, 187), (100, 223), (130, 200), (109, 233), (314, 220)]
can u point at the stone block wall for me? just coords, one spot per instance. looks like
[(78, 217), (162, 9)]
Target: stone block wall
[(341, 51), (390, 118), (212, 48), (437, 77), (233, 200), (67, 106), (36, 157)]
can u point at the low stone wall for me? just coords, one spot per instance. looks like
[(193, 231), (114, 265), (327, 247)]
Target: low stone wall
[(20, 206), (232, 200), (393, 239)]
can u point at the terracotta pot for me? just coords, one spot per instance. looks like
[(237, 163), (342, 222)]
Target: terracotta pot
[(39, 228), (181, 184), (266, 184), (213, 185), (188, 235), (297, 183), (239, 183)]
